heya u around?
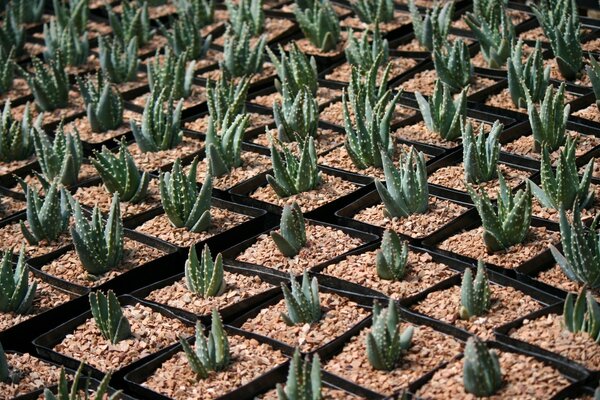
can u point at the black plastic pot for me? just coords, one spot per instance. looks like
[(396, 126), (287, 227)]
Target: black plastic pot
[(585, 101), (84, 383), (270, 90)]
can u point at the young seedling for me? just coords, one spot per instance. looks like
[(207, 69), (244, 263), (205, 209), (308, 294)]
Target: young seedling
[(49, 83), (16, 137), (320, 25), (47, 218), (392, 257), (61, 159), (364, 54), (482, 375), (531, 76), (582, 314), (294, 70), (226, 100), (302, 303), (291, 237), (374, 12), (480, 153), (108, 316), (171, 73), (119, 63), (495, 33), (549, 122), (303, 379), (64, 393), (202, 11), (442, 113), (239, 57), (434, 25), (246, 12), (224, 149), (475, 295), (16, 292), (186, 37), (204, 277), (133, 22), (103, 102), (66, 41), (453, 65), (12, 33), (296, 117)]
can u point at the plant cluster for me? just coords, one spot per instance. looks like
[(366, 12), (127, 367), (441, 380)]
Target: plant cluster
[(185, 37), (108, 316), (133, 22), (49, 83), (16, 292), (549, 122), (291, 237), (475, 295), (320, 25), (303, 379), (104, 104), (12, 34), (246, 12), (204, 277), (582, 314), (482, 375), (16, 137), (64, 393), (239, 57), (296, 116), (47, 217), (442, 113), (302, 302), (364, 54), (392, 257), (202, 11), (171, 73), (60, 159), (530, 77), (65, 40), (119, 63), (294, 70), (432, 27), (224, 148), (480, 153), (374, 11), (453, 64), (225, 100)]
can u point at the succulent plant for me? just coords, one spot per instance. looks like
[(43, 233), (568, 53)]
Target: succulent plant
[(597, 393), (405, 191), (108, 316), (120, 64), (185, 37), (226, 99), (99, 245), (560, 21), (49, 84), (246, 12), (133, 22), (443, 114), (28, 11), (202, 11), (392, 257), (531, 76), (7, 375), (434, 25), (171, 73), (385, 341), (548, 124), (224, 149), (61, 159), (369, 135), (294, 70), (320, 25), (73, 13), (475, 295), (16, 293), (120, 174), (482, 375), (563, 188), (103, 102), (364, 54), (303, 379), (7, 70), (239, 58), (47, 218), (204, 277), (293, 175), (64, 393), (593, 71), (480, 153), (582, 314), (291, 237), (12, 33), (509, 224), (302, 303), (581, 249), (66, 40), (296, 116), (210, 353), (185, 205), (16, 137), (374, 11), (161, 128), (453, 64)]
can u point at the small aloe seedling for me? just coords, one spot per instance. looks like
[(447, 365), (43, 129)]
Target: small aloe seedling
[(495, 34), (475, 295), (320, 25), (185, 37), (16, 137), (171, 73), (392, 257), (204, 277), (185, 205), (108, 316), (12, 33), (210, 353), (531, 76), (303, 379), (202, 11), (480, 153), (7, 375), (226, 99), (406, 191), (47, 218), (246, 12), (61, 159), (133, 22), (99, 245), (7, 70), (294, 70), (120, 174), (434, 25), (582, 314), (74, 13), (581, 249), (385, 341), (239, 57), (303, 303), (293, 175), (49, 84), (119, 63), (453, 65), (103, 102), (548, 124), (481, 369), (374, 11), (563, 188), (364, 54), (442, 114), (224, 149), (64, 393), (593, 71), (66, 40), (297, 116), (16, 293), (28, 11), (509, 224), (291, 237), (161, 128)]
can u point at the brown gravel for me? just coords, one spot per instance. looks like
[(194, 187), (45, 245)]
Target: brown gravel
[(590, 112), (324, 94), (255, 121), (8, 167), (331, 188), (554, 276), (11, 238), (35, 374), (268, 71), (414, 45), (504, 101), (10, 205), (428, 349), (418, 132), (141, 80), (424, 82), (249, 359), (583, 80), (221, 220), (339, 158), (85, 130), (326, 394), (524, 377), (548, 333), (334, 113), (508, 304), (86, 172), (323, 243), (76, 106), (197, 96), (19, 89), (339, 315), (416, 226), (470, 244), (309, 49), (274, 28), (151, 161), (591, 45), (422, 272), (523, 146), (343, 72), (400, 18), (238, 288), (69, 268), (151, 332), (551, 214), (326, 140)]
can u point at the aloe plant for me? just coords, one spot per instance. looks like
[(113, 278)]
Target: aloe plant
[(495, 33), (364, 54), (64, 393), (120, 174), (246, 12), (405, 191), (73, 13), (133, 22), (294, 70), (108, 316), (296, 117), (28, 11), (302, 302), (291, 237), (480, 153), (453, 65), (47, 218), (66, 40), (392, 257), (12, 33), (582, 314), (432, 27), (7, 70), (202, 11), (475, 295), (549, 122), (442, 113), (239, 58), (374, 11), (16, 292), (61, 159), (303, 379), (120, 64), (320, 25), (171, 73), (593, 71), (104, 104), (531, 76), (224, 148), (16, 137), (49, 83), (204, 277), (226, 99), (482, 375), (7, 375), (185, 37)]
